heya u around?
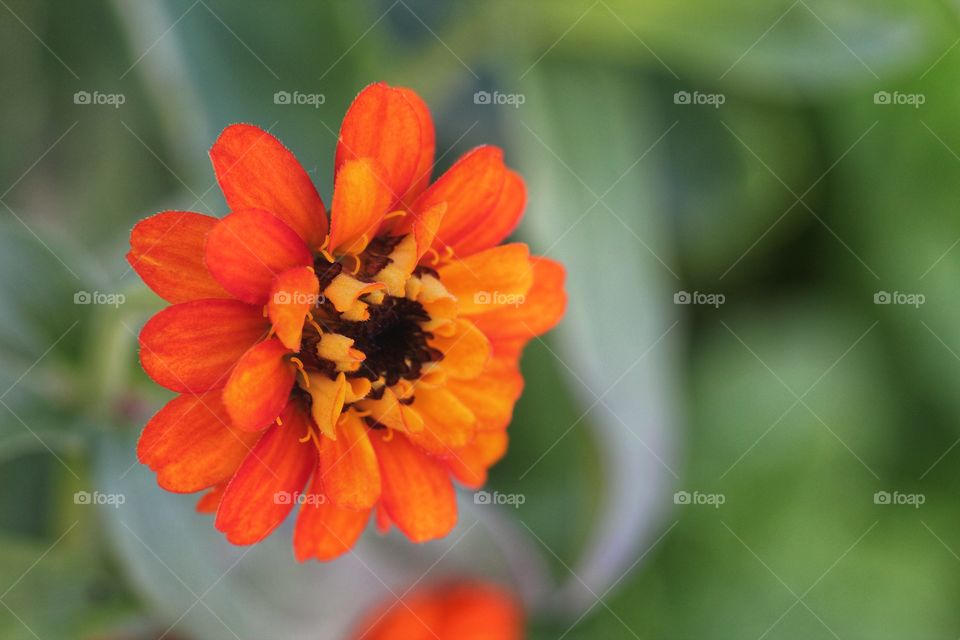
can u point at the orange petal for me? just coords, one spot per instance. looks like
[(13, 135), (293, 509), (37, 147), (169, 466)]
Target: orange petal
[(259, 386), (541, 310), (416, 617), (248, 249), (256, 171), (491, 395), (448, 424), (267, 485), (166, 250), (421, 175), (446, 611), (465, 351), (360, 198), (382, 519), (191, 347), (324, 530), (383, 125), (417, 492), (348, 466), (502, 219), (210, 501), (191, 445), (471, 187), (293, 294), (476, 611), (469, 465), (494, 278), (425, 227)]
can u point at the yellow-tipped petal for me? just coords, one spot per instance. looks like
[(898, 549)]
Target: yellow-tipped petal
[(328, 398), (345, 290), (390, 412), (403, 260)]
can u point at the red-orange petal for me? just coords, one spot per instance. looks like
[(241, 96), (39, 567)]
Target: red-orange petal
[(191, 445), (267, 485), (471, 187), (166, 250), (382, 124), (494, 278), (542, 307), (463, 610), (324, 530), (425, 226), (418, 616), (248, 249), (292, 295), (348, 466), (192, 346), (361, 196), (477, 611), (210, 501), (417, 492), (256, 171), (502, 219), (421, 176), (259, 386)]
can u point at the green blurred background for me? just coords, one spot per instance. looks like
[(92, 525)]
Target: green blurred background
[(775, 459)]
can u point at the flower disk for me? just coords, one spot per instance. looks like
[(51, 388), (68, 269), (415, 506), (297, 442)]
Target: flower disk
[(347, 368)]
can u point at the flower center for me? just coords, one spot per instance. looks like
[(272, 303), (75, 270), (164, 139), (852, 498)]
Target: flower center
[(393, 340)]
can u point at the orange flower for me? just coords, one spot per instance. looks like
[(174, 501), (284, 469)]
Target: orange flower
[(370, 361), (453, 611)]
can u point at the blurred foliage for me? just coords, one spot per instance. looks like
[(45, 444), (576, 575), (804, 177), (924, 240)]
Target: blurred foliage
[(798, 199)]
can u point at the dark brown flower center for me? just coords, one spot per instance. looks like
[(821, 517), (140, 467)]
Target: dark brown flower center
[(392, 339)]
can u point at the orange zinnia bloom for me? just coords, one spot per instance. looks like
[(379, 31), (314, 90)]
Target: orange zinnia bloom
[(453, 611), (346, 367)]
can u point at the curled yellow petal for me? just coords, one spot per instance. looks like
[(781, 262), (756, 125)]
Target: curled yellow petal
[(328, 398)]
